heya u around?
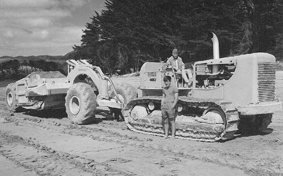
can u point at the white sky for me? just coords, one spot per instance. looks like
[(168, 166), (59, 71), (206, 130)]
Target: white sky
[(43, 27)]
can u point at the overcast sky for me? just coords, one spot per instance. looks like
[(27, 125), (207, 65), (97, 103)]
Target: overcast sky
[(43, 27)]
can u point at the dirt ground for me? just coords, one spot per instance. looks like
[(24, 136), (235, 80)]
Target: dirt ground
[(47, 143)]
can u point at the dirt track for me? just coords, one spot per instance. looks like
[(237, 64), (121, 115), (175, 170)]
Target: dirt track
[(41, 144)]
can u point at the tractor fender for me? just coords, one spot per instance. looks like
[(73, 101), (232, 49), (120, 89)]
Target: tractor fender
[(84, 70)]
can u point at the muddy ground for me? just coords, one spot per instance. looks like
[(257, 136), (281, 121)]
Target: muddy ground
[(47, 143)]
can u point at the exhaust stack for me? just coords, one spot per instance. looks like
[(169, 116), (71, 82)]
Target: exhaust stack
[(215, 42), (215, 46)]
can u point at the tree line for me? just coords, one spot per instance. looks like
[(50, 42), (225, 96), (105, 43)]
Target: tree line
[(128, 33)]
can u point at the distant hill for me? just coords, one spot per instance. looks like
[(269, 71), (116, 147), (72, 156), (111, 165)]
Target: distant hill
[(59, 59), (40, 57)]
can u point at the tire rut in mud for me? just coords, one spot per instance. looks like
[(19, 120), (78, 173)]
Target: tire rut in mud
[(47, 161)]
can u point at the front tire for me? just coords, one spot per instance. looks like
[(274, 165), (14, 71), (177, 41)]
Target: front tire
[(80, 103), (10, 98)]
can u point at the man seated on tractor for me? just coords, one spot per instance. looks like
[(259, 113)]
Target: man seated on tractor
[(176, 63)]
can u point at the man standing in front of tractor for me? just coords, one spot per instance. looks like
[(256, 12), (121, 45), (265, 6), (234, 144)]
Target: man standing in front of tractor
[(168, 106), (178, 66)]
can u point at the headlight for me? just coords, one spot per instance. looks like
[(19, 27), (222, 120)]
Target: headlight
[(150, 106), (179, 107)]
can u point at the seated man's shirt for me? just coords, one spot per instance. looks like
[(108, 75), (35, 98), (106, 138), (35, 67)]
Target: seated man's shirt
[(175, 63)]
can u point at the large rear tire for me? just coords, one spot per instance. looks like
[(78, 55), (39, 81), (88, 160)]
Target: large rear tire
[(80, 103), (10, 98)]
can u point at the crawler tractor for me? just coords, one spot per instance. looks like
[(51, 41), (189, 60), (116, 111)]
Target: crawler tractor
[(85, 88), (228, 95)]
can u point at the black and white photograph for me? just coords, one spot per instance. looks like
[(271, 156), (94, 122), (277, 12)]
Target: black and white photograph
[(141, 87)]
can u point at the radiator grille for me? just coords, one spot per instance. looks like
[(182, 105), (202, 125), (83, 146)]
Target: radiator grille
[(266, 81)]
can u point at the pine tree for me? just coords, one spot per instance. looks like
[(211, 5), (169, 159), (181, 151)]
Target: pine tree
[(128, 33)]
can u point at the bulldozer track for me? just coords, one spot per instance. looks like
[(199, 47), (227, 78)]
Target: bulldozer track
[(231, 121)]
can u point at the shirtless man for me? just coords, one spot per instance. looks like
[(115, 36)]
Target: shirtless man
[(168, 106)]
